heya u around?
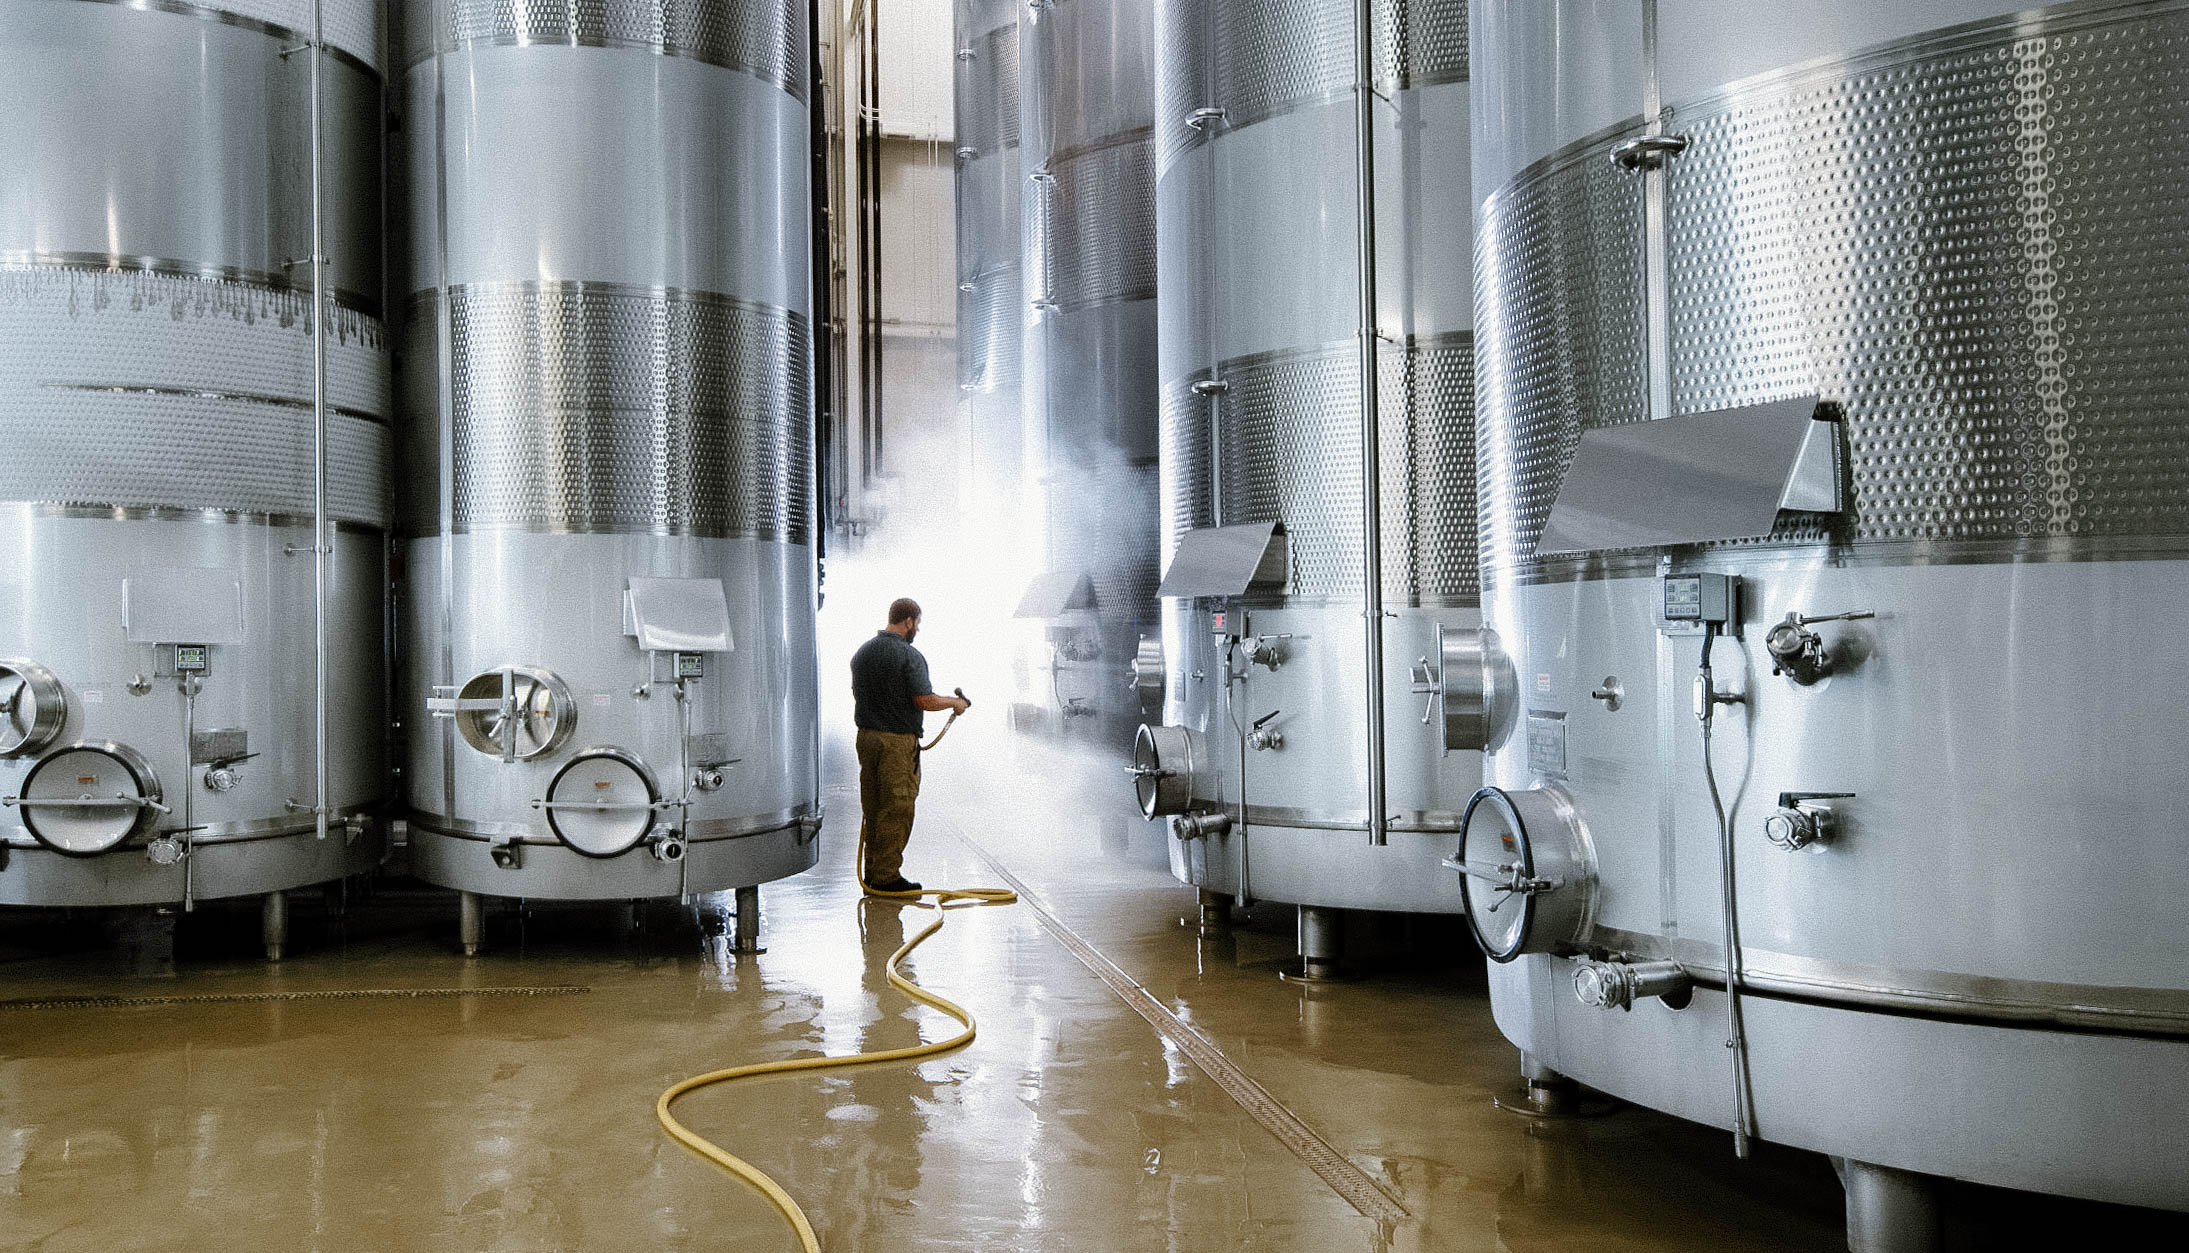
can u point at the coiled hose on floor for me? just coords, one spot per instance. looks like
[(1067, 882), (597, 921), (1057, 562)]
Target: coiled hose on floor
[(944, 900)]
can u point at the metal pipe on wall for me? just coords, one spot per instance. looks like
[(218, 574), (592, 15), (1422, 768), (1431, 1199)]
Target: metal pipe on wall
[(319, 442), (1364, 168)]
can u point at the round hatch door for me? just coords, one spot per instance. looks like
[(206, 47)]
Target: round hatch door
[(86, 799), (601, 802), (1526, 874), (33, 707)]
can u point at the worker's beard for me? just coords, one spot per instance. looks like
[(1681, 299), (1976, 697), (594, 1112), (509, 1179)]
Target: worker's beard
[(911, 634)]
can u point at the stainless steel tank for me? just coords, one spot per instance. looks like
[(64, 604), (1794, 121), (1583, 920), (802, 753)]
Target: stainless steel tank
[(1091, 382), (609, 681), (1944, 754), (991, 293), (157, 607), (1268, 707)]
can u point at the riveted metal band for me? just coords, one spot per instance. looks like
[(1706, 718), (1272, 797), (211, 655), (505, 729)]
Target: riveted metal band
[(194, 394), (1256, 59), (1092, 230), (764, 38), (1288, 428), (592, 408), (1947, 235)]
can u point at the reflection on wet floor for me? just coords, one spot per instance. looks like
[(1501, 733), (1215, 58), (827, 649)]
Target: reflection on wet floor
[(526, 1123)]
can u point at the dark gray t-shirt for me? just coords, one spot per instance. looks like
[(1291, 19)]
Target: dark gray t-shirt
[(886, 673)]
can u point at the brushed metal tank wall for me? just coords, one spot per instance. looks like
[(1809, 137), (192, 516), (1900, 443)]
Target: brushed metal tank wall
[(991, 288), (151, 310), (1091, 383), (607, 376), (1256, 215), (1968, 237)]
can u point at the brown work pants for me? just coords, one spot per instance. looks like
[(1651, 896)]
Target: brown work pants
[(889, 783)]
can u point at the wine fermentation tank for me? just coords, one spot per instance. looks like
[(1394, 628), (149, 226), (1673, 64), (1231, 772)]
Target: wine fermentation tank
[(1276, 748), (1837, 356), (1091, 391), (609, 684), (188, 683)]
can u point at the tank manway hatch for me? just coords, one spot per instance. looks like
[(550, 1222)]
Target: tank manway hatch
[(1227, 561), (1697, 477)]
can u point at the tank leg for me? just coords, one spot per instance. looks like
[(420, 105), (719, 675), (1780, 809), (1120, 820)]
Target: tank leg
[(1889, 1210), (470, 921), (1319, 945), (748, 922), (1215, 914), (273, 924), (1547, 1092)]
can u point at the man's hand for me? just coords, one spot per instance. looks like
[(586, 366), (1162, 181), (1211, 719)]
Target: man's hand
[(960, 704)]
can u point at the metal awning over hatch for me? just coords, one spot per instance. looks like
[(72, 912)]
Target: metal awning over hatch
[(1056, 593), (678, 615), (1696, 478), (1227, 561)]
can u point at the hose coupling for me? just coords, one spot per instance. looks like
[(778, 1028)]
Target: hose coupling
[(668, 847), (1200, 824)]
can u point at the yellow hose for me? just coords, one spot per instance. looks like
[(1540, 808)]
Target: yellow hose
[(945, 898)]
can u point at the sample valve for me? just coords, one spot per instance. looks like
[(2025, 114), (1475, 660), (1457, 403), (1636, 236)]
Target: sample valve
[(1260, 738), (1799, 653), (1797, 824), (1616, 985)]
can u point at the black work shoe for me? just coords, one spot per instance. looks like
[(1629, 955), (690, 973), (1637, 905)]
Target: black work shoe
[(898, 884)]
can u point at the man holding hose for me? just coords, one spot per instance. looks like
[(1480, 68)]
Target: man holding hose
[(889, 692)]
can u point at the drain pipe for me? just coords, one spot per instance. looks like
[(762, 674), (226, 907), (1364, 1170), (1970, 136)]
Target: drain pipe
[(320, 546), (1364, 142)]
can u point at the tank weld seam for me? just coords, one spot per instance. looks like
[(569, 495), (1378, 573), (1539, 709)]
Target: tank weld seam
[(354, 305), (225, 17), (203, 393)]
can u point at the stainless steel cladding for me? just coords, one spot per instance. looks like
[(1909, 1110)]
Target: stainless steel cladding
[(157, 728), (609, 462), (991, 291), (1958, 226), (1257, 186), (1091, 384)]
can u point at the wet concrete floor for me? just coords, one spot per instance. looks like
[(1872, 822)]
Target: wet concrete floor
[(507, 1122)]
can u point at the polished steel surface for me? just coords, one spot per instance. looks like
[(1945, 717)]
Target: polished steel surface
[(580, 410), (764, 38), (1947, 235), (202, 165), (1091, 224)]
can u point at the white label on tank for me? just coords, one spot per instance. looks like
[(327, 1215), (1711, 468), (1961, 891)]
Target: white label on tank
[(600, 700), (1543, 683), (93, 696)]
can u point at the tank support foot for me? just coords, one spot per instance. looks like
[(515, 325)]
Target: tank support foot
[(748, 922), (1547, 1092), (273, 924), (1889, 1210), (470, 921), (1319, 945), (1215, 917)]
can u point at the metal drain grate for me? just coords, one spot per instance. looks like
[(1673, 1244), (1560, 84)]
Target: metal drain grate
[(245, 998)]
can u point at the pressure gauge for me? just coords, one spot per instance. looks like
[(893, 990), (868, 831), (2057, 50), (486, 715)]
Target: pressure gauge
[(602, 802), (1528, 874), (88, 799)]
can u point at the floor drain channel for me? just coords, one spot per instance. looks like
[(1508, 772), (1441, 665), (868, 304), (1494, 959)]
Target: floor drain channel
[(1334, 1168), (245, 998)]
